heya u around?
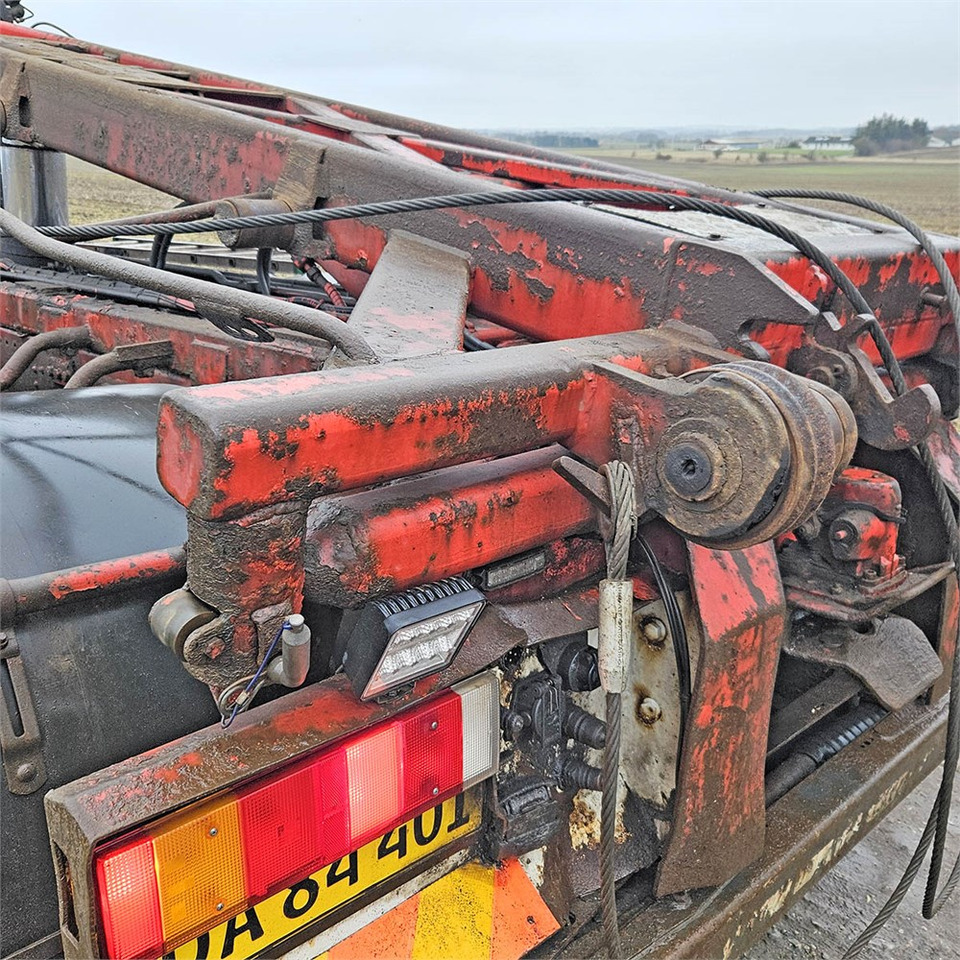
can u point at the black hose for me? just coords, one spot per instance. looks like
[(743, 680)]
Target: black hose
[(818, 747), (159, 250), (264, 256), (474, 343)]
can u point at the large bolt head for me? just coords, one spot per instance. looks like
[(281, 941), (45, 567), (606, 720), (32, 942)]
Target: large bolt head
[(649, 710)]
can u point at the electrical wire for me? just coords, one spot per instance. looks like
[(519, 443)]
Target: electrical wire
[(47, 23), (239, 702)]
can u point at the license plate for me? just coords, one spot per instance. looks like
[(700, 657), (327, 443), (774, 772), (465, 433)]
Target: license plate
[(269, 921)]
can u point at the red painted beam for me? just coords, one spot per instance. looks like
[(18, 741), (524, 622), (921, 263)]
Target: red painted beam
[(229, 449), (384, 540), (719, 815), (201, 353)]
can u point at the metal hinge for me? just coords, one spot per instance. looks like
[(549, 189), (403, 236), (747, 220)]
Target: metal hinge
[(21, 744)]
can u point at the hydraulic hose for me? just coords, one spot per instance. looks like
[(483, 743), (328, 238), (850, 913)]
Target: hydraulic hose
[(218, 300), (29, 350)]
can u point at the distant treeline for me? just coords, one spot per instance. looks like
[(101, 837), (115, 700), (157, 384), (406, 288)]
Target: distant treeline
[(556, 140), (890, 134)]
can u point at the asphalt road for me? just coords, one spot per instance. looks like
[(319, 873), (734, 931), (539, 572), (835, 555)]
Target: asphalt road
[(836, 910)]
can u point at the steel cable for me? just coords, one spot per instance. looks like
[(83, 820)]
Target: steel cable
[(661, 200), (623, 520), (914, 229)]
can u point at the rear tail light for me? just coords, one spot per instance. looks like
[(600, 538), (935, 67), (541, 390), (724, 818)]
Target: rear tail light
[(168, 883)]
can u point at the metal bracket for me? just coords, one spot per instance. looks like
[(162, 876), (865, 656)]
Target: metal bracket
[(21, 742), (883, 421), (891, 656)]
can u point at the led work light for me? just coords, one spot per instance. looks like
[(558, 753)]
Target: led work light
[(409, 635)]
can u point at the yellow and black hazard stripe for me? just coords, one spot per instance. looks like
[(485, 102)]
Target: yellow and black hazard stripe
[(474, 913)]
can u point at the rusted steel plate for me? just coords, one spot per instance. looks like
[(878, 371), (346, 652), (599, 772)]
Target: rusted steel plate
[(416, 299), (718, 822)]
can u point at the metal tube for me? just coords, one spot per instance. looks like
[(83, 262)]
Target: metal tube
[(96, 368), (33, 187), (210, 298), (29, 350), (27, 595), (291, 667)]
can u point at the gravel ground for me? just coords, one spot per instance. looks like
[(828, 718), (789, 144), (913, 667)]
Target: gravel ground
[(833, 914)]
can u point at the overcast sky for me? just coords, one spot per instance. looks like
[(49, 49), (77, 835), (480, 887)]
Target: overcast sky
[(575, 64)]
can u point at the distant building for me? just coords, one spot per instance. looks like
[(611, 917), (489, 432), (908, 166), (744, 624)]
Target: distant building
[(828, 143), (726, 144), (937, 142)]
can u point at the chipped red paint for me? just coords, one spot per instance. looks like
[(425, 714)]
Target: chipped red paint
[(110, 573), (528, 170), (542, 291), (27, 595), (387, 539), (719, 817), (870, 504), (230, 448), (944, 444), (201, 353)]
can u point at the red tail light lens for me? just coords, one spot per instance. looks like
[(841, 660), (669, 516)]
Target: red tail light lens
[(127, 887), (280, 828), (191, 871)]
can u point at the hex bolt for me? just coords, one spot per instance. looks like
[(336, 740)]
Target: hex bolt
[(688, 469), (514, 723), (26, 772), (654, 631), (824, 375), (649, 710)]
